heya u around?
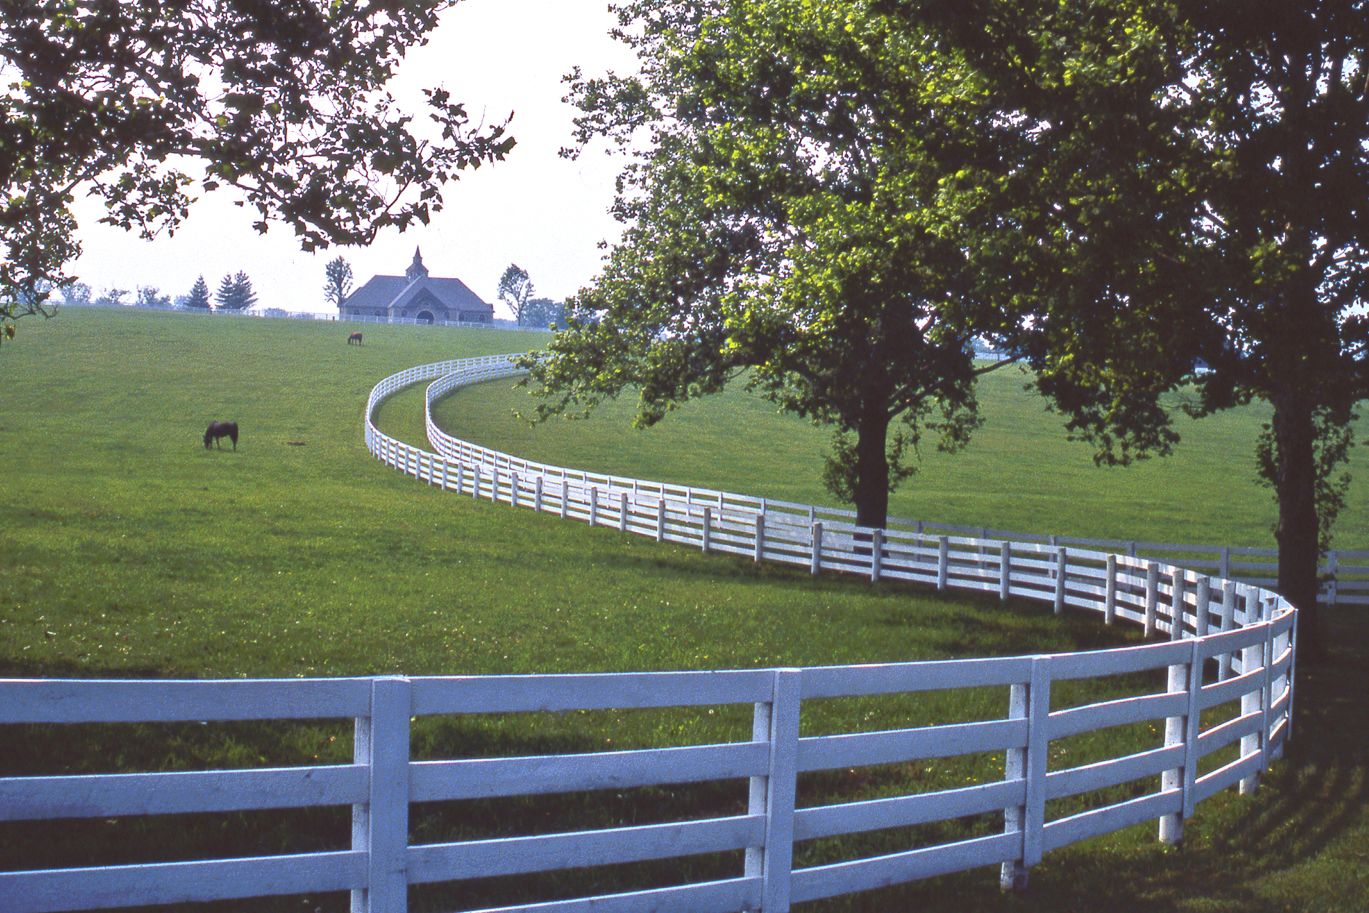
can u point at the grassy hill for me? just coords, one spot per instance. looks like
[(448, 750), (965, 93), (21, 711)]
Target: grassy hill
[(127, 549), (1020, 471)]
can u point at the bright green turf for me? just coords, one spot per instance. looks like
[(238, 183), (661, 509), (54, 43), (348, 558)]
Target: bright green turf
[(127, 549), (1019, 473)]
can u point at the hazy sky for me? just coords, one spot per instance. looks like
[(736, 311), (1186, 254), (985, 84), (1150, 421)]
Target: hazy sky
[(535, 209)]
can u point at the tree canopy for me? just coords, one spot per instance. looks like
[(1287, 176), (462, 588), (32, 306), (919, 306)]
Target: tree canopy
[(148, 104), (235, 293), (781, 204), (515, 288), (337, 281), (1201, 176), (198, 296)]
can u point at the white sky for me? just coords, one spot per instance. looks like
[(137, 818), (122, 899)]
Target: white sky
[(545, 213)]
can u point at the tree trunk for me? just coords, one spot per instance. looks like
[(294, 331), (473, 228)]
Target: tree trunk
[(872, 469), (1295, 487)]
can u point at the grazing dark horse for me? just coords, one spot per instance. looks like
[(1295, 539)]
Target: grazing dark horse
[(354, 338), (218, 430)]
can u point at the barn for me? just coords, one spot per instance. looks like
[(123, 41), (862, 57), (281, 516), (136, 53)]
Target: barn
[(417, 296)]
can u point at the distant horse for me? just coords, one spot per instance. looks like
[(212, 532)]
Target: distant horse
[(218, 430), (354, 338)]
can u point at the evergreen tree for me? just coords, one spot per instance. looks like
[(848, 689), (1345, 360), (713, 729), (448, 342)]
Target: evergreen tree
[(199, 295), (235, 293)]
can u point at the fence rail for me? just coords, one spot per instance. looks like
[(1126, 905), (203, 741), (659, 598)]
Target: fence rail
[(1345, 573), (1227, 652)]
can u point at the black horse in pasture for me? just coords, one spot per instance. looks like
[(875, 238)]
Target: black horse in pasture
[(355, 338), (218, 430)]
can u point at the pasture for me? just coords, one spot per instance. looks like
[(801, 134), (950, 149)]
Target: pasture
[(129, 550)]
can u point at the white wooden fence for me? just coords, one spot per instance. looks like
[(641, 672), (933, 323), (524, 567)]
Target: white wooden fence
[(1345, 574), (1226, 707)]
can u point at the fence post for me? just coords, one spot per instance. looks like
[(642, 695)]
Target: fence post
[(1202, 605), (1267, 688), (1250, 701), (1110, 592), (513, 489), (708, 527), (1038, 746), (1184, 678), (876, 553), (444, 474), (815, 563), (1178, 583), (1059, 580), (1224, 570), (565, 497), (1013, 874), (760, 536), (593, 505), (380, 828), (660, 519), (1004, 570), (1172, 825), (1152, 594), (943, 555), (494, 484), (773, 795), (1332, 584), (622, 511), (537, 494), (1228, 618)]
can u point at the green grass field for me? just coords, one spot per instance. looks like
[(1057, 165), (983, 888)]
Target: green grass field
[(126, 549), (1020, 471)]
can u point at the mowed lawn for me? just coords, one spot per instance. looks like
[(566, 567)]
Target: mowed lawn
[(126, 549)]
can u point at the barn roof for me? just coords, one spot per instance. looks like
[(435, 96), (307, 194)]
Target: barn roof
[(384, 292)]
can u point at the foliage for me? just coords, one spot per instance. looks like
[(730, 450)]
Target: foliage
[(235, 293), (543, 312), (1192, 181), (149, 296), (337, 281), (514, 289), (198, 296), (112, 297), (781, 211), (77, 293), (146, 104)]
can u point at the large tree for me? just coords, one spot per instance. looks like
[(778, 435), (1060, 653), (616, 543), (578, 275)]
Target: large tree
[(148, 104), (781, 223), (1201, 189), (543, 313), (337, 281), (515, 288)]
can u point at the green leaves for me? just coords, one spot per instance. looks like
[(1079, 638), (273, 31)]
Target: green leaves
[(297, 120), (786, 215)]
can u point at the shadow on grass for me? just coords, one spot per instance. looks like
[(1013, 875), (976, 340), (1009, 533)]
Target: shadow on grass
[(1275, 851), (1281, 849)]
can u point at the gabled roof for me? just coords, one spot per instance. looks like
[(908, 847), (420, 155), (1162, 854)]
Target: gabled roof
[(377, 293), (383, 292), (452, 293)]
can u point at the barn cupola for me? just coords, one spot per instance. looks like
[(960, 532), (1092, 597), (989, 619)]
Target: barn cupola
[(416, 269)]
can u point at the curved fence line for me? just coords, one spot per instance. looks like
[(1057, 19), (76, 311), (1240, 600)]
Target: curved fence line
[(1217, 693), (1345, 574)]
